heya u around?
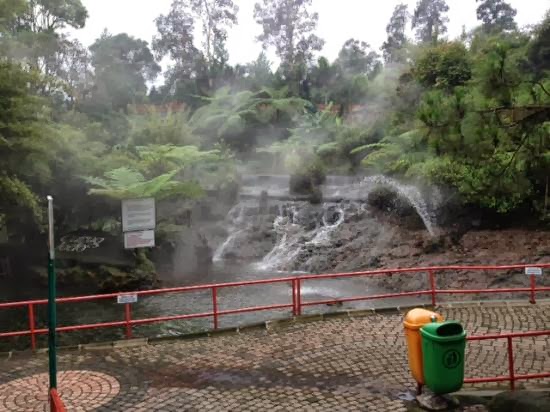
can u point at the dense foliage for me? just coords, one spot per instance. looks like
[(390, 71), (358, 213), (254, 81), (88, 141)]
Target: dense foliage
[(471, 114)]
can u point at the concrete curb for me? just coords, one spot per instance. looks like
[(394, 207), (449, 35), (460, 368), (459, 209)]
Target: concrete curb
[(486, 393), (491, 303)]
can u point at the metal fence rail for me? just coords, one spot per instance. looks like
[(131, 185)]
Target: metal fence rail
[(296, 305), (512, 377)]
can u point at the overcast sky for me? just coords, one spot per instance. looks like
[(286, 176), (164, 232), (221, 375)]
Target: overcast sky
[(339, 20)]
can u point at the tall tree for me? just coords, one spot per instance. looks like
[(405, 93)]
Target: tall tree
[(539, 50), (322, 77), (122, 65), (289, 26), (445, 66), (196, 71), (429, 20), (496, 15), (256, 74), (397, 39), (68, 70), (216, 16), (356, 57), (23, 118), (36, 32), (52, 15), (74, 67), (175, 37)]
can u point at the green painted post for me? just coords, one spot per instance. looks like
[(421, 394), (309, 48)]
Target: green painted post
[(52, 314)]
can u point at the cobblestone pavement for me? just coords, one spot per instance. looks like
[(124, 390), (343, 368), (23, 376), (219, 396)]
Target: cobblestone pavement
[(353, 363)]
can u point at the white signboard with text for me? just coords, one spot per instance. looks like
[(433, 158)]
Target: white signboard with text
[(138, 239), (129, 298), (533, 271), (138, 214)]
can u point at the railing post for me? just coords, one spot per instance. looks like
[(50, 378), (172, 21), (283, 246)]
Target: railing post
[(533, 286), (511, 363), (215, 306), (294, 304), (128, 319), (432, 287), (31, 326), (299, 297)]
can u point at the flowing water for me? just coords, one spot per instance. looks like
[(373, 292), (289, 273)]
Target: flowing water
[(411, 193), (299, 225), (294, 237)]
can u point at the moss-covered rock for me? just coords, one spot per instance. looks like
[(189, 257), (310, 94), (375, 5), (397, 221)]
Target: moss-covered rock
[(108, 278)]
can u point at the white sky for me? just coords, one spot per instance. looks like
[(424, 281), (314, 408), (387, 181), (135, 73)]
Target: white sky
[(339, 20)]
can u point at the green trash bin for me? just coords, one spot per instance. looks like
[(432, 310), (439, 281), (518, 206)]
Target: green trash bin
[(443, 345)]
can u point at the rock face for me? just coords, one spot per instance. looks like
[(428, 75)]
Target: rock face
[(521, 401), (374, 223), (355, 236)]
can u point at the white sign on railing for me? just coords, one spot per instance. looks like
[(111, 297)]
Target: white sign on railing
[(127, 298), (533, 271)]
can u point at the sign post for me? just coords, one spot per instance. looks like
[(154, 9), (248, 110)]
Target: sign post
[(52, 314)]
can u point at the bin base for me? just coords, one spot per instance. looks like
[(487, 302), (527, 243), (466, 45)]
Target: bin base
[(433, 402)]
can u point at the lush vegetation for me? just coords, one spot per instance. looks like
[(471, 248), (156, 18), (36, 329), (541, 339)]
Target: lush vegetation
[(86, 124)]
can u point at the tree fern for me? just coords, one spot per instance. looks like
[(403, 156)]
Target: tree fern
[(125, 183), (234, 117)]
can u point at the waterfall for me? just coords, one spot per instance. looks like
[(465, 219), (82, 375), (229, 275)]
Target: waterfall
[(235, 218), (296, 232), (323, 234), (220, 251), (301, 231), (285, 249)]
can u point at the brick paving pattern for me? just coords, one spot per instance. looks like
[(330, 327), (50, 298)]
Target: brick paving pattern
[(355, 363), (82, 390)]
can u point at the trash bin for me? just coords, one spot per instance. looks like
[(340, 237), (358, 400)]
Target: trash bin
[(414, 320), (443, 346)]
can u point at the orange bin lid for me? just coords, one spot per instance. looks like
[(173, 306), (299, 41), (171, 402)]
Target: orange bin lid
[(416, 318)]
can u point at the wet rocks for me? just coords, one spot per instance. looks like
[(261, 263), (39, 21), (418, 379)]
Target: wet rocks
[(252, 242), (355, 235), (105, 278)]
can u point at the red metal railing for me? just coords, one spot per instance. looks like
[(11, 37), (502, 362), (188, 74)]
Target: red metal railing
[(56, 404), (297, 305), (512, 377)]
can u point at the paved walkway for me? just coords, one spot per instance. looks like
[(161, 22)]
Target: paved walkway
[(355, 363)]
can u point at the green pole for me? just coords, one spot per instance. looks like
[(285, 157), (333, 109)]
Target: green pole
[(52, 315)]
